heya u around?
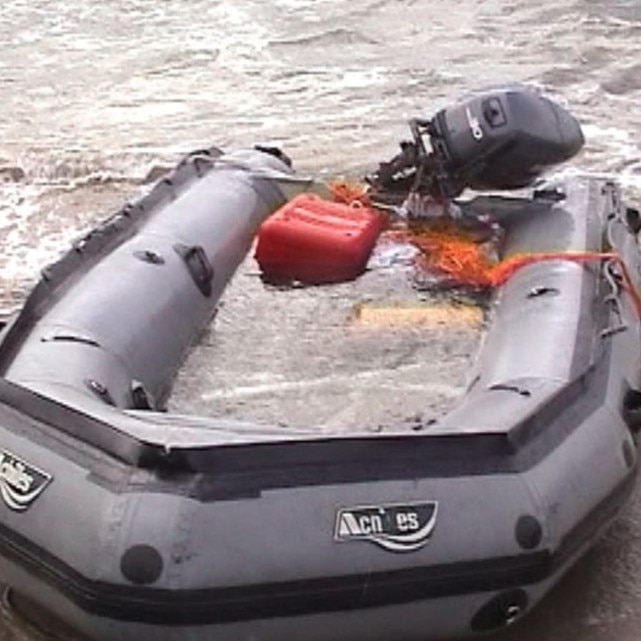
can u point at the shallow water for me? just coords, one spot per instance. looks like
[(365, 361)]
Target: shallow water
[(105, 90), (95, 94)]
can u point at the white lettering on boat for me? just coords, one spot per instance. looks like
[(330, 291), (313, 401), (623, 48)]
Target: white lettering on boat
[(395, 527), (20, 482)]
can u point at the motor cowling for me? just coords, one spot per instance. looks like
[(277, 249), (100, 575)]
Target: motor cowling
[(501, 140)]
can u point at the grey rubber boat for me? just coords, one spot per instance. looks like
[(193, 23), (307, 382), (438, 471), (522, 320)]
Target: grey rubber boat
[(128, 523)]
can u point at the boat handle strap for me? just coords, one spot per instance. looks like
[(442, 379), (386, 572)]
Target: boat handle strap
[(198, 266)]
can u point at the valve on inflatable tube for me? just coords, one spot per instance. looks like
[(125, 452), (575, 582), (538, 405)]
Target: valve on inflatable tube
[(495, 140)]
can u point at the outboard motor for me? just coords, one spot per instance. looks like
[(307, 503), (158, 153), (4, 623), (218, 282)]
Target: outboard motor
[(501, 139)]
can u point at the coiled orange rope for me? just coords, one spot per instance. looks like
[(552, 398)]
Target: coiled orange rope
[(453, 255), (463, 260), (350, 193)]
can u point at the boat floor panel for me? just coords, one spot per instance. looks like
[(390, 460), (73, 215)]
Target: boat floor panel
[(374, 354)]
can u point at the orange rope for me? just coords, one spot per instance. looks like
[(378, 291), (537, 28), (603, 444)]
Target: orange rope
[(449, 251), (458, 256), (350, 193)]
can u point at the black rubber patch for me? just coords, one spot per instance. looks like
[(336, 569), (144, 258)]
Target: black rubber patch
[(528, 532), (149, 256), (100, 391), (542, 290), (632, 409), (500, 611), (141, 564)]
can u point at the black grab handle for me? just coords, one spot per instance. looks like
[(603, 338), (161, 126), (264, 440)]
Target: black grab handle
[(198, 266)]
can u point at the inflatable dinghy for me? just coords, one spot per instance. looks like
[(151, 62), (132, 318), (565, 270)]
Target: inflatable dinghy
[(126, 523)]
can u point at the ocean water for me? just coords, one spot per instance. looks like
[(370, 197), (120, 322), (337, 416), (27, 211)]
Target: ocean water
[(95, 95)]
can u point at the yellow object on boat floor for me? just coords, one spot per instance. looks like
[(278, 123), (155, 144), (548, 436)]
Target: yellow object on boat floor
[(427, 313)]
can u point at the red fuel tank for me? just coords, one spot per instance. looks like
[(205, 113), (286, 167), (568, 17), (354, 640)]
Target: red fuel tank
[(316, 241)]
